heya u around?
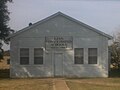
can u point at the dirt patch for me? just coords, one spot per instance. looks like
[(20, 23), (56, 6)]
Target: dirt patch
[(60, 85)]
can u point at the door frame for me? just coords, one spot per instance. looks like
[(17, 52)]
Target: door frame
[(54, 63)]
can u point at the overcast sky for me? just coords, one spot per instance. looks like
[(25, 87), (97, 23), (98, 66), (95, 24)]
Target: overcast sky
[(103, 14)]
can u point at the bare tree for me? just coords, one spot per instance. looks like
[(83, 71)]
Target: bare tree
[(115, 51)]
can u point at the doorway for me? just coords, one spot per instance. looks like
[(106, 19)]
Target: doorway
[(58, 64)]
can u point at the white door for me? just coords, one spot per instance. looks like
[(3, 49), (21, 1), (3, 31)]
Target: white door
[(58, 64)]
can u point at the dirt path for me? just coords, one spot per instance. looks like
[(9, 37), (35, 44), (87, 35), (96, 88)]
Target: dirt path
[(59, 85)]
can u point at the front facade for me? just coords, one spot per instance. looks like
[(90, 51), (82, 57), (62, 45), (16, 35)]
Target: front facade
[(59, 46)]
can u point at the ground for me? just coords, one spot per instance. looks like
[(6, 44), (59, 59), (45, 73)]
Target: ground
[(3, 63), (25, 84), (4, 68), (94, 84), (57, 83)]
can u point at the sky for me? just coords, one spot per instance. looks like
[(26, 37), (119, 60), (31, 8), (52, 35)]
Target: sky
[(103, 15)]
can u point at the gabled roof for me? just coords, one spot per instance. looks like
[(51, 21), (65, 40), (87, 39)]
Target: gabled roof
[(66, 16)]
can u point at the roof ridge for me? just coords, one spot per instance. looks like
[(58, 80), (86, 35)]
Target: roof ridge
[(66, 16)]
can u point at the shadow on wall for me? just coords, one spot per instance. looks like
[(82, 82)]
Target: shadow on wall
[(82, 70), (69, 69), (28, 71), (5, 73)]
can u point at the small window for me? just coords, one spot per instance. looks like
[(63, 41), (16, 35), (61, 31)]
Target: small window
[(78, 55), (24, 56), (38, 56), (92, 56)]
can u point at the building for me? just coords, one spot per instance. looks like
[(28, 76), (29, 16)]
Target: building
[(59, 46)]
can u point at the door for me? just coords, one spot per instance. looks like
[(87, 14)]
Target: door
[(58, 64)]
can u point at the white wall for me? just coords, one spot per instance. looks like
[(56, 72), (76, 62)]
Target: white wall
[(59, 26)]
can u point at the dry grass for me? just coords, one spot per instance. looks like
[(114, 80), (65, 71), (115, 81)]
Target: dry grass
[(46, 84), (20, 84), (3, 63), (25, 84), (94, 84), (4, 68)]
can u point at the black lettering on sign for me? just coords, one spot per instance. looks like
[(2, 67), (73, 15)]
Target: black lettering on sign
[(58, 42)]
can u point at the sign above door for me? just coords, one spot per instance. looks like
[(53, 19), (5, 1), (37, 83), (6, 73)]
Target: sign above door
[(65, 42)]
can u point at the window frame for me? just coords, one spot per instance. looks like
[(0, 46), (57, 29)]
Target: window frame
[(24, 56), (37, 56), (79, 56), (93, 56)]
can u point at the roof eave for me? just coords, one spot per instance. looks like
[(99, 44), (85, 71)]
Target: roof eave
[(60, 13)]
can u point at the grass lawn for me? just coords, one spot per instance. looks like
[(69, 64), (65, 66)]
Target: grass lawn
[(94, 84), (25, 84), (21, 84), (46, 84)]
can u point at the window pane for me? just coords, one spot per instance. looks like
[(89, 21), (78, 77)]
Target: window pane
[(78, 56), (78, 51), (24, 52), (24, 60), (92, 60), (38, 60), (78, 60), (24, 56), (38, 52), (92, 56), (38, 56), (92, 51)]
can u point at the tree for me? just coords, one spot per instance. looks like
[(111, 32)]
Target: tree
[(4, 28), (115, 52)]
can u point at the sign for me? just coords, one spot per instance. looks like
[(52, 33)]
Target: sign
[(59, 42)]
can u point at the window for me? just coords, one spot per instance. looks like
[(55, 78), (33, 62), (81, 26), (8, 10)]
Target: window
[(92, 56), (38, 56), (24, 56), (78, 55)]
